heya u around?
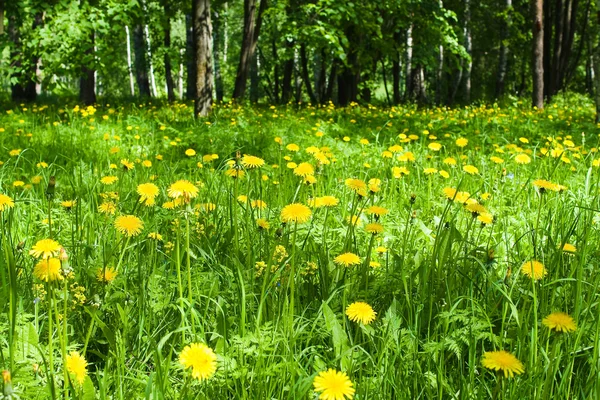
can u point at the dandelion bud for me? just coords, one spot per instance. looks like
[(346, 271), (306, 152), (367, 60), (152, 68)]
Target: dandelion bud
[(63, 256), (51, 186)]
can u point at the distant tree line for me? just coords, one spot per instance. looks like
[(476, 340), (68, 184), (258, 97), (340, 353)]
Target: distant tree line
[(441, 52)]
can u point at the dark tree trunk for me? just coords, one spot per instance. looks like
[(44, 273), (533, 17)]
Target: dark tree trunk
[(321, 80), (203, 57), (190, 92), (219, 90), (87, 81), (538, 54), (167, 59), (469, 49), (251, 32), (2, 17), (288, 72), (385, 82), (596, 62), (140, 64), (396, 78), (305, 76), (331, 80), (275, 69), (418, 92), (503, 59), (254, 77)]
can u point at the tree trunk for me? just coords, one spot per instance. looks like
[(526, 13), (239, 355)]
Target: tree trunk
[(396, 76), (254, 71), (203, 56), (538, 54), (288, 71), (596, 62), (87, 81), (129, 64), (217, 61), (167, 58), (140, 63), (275, 69), (331, 80), (503, 59), (469, 49), (305, 76), (385, 83), (149, 59), (252, 24), (190, 92), (408, 65), (1, 17), (298, 78)]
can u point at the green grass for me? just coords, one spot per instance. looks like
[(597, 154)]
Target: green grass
[(446, 287)]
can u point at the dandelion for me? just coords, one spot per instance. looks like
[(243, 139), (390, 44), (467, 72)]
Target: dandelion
[(560, 322), (108, 180), (129, 225), (183, 189), (377, 211), (360, 312), (333, 385), (201, 359), (190, 152), (127, 165), (68, 204), (374, 228), (462, 142), (77, 366), (48, 270), (471, 169), (263, 224), (108, 208), (304, 169), (156, 236), (569, 248), (347, 259), (147, 192), (45, 248), (522, 159), (295, 212), (252, 162), (106, 275), (502, 361), (356, 185), (534, 269), (6, 202)]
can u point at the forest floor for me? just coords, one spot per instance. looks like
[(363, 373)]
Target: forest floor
[(292, 253)]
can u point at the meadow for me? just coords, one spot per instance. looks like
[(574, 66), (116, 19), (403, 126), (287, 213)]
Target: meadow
[(299, 252)]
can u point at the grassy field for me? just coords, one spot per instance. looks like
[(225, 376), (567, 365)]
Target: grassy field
[(148, 256)]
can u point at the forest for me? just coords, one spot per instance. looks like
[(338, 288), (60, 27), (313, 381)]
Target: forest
[(432, 52), (299, 199)]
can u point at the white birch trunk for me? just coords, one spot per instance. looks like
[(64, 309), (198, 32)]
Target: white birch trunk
[(129, 67)]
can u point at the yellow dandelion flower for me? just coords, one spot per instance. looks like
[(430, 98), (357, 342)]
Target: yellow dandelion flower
[(295, 212), (147, 192), (534, 269), (108, 208), (471, 169), (462, 142), (48, 270), (6, 202), (45, 248), (106, 275), (190, 152), (360, 312), (347, 259), (183, 189), (333, 385), (129, 225), (304, 169), (108, 180), (252, 162), (560, 322), (263, 223), (374, 228), (522, 159), (201, 359), (569, 248), (77, 366), (502, 361)]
